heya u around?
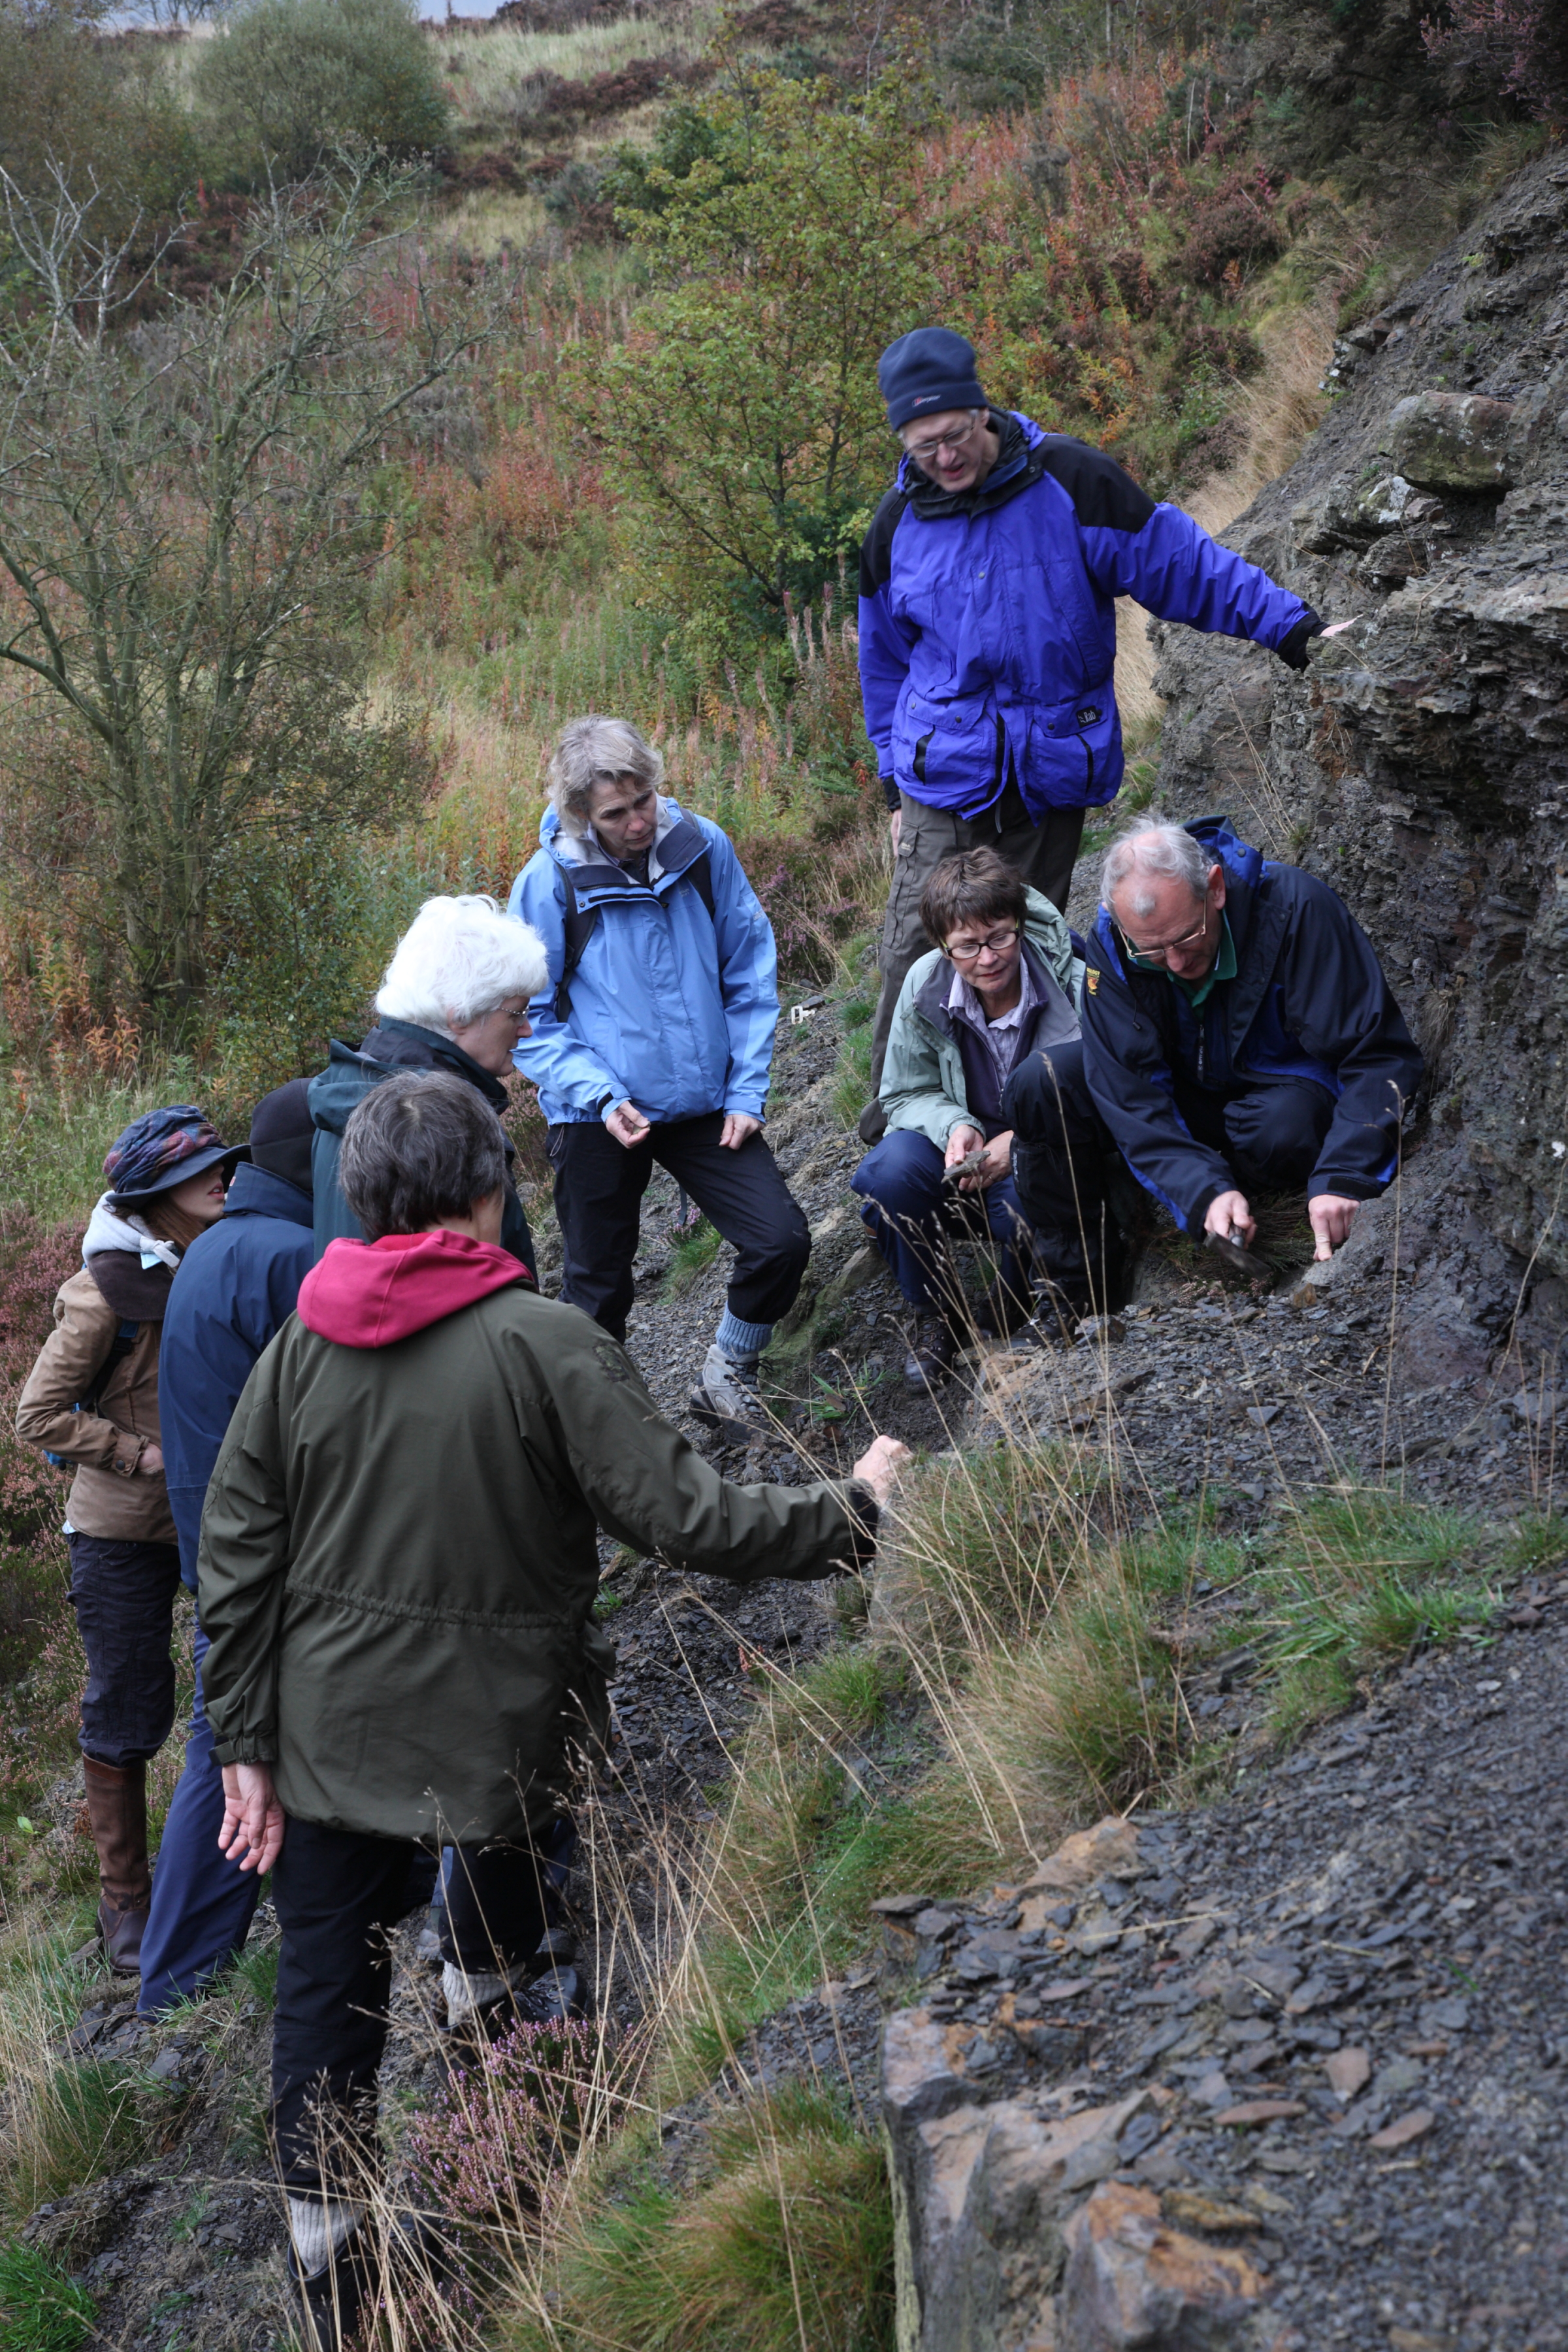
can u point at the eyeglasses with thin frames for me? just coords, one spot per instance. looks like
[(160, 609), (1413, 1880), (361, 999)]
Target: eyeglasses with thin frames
[(1156, 959), (923, 451), (981, 947)]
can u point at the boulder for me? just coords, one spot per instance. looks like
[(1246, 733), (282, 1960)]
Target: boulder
[(1133, 2281), (982, 2196), (1453, 440)]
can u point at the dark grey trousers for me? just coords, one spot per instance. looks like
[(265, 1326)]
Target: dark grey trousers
[(1044, 854)]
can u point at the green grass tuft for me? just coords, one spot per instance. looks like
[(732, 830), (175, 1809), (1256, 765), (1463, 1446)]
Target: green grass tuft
[(690, 1256), (41, 2310), (1358, 1579), (785, 2240)]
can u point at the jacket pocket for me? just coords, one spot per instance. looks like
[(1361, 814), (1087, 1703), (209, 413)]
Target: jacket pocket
[(948, 757)]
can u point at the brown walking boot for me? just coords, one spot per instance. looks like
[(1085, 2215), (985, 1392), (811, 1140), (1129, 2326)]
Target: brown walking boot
[(116, 1815)]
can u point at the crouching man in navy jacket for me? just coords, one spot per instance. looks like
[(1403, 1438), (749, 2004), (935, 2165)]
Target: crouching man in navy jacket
[(987, 622), (1239, 1035)]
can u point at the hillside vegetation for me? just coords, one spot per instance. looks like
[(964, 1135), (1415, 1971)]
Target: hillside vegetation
[(548, 350)]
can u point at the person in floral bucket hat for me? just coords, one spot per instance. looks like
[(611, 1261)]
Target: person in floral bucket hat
[(91, 1404)]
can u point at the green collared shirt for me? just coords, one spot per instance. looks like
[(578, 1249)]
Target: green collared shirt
[(1223, 968)]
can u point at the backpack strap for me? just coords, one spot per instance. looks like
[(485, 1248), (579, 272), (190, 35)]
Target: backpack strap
[(579, 923), (579, 930), (120, 1347)]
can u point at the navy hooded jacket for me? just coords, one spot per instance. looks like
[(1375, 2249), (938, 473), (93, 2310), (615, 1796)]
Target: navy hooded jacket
[(988, 621), (233, 1291), (1309, 1002)]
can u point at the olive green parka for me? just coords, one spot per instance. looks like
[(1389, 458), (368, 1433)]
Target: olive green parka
[(398, 1560)]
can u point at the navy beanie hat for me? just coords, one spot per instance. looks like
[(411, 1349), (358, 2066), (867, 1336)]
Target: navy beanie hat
[(927, 370)]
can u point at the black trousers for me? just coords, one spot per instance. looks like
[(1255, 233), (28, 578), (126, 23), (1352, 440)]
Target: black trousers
[(599, 1186), (337, 1893), (1060, 1147), (123, 1595), (1270, 1133)]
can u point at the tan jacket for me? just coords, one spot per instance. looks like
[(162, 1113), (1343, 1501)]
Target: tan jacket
[(108, 1495)]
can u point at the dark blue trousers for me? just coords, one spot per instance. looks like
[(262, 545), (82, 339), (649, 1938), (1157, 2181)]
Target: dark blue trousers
[(911, 1217), (123, 1596), (202, 1902)]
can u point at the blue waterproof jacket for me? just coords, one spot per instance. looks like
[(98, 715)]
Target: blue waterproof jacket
[(988, 621), (1309, 1002), (673, 1008), (233, 1291)]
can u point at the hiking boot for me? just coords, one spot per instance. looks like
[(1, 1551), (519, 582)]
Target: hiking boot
[(1056, 1316), (117, 1816), (930, 1358), (728, 1400), (331, 2297), (482, 2011)]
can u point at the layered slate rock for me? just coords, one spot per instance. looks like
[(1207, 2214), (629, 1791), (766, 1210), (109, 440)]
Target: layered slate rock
[(1421, 764)]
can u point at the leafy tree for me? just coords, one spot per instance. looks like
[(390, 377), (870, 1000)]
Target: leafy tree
[(738, 421), (186, 529), (285, 82), (101, 112)]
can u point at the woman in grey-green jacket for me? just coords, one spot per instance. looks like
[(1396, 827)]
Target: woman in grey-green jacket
[(398, 1567), (984, 1071)]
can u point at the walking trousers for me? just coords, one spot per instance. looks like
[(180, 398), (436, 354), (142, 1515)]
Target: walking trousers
[(203, 1903), (123, 1596), (599, 1186), (337, 1894)]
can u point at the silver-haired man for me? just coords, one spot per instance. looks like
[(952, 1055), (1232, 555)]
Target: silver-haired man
[(1239, 1035), (653, 1041)]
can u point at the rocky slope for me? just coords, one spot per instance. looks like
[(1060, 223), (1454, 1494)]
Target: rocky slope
[(1281, 2075), (1422, 763)]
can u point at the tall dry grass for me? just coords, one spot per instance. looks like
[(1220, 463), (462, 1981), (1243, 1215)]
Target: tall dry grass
[(1277, 410)]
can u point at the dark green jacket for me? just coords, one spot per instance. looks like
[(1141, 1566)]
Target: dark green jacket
[(399, 1561), (349, 1076)]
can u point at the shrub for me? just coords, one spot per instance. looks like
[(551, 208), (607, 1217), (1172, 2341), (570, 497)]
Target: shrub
[(1517, 48), (286, 82), (739, 420)]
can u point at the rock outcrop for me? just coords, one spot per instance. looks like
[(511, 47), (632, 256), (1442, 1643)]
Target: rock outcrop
[(1019, 2227), (1421, 765)]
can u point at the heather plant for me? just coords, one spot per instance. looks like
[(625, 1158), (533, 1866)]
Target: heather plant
[(484, 2151)]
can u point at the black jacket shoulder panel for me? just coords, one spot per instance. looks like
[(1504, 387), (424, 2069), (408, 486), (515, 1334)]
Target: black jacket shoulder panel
[(1104, 495), (876, 547)]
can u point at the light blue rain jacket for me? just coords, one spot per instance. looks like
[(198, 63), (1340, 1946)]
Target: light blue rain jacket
[(671, 1008)]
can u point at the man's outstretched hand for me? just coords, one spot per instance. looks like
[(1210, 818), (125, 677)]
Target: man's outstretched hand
[(1332, 1217), (252, 1832), (880, 1465), (1231, 1219)]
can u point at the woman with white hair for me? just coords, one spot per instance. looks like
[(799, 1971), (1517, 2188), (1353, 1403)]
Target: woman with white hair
[(455, 998), (654, 1042)]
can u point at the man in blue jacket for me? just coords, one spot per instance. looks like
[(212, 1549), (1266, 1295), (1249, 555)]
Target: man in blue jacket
[(987, 620), (653, 1041), (234, 1291), (1239, 1034)]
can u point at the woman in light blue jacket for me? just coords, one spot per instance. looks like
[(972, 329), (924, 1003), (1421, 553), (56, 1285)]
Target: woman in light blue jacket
[(652, 1041)]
